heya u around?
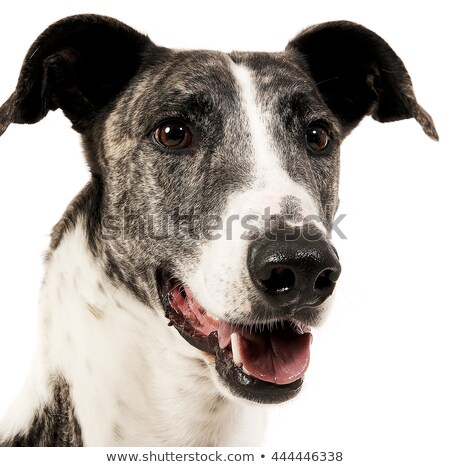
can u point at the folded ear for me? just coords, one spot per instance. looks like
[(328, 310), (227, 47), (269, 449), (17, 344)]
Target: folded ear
[(358, 74), (79, 64)]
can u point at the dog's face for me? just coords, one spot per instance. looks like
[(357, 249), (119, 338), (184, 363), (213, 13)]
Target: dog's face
[(239, 139), (217, 178)]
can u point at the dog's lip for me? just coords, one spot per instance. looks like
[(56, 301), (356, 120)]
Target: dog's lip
[(269, 377)]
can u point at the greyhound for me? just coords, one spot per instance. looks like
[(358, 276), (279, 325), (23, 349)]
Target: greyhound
[(183, 282)]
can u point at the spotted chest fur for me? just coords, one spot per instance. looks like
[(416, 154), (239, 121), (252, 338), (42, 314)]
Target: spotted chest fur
[(112, 373)]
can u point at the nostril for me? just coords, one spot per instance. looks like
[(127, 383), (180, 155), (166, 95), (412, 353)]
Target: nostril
[(324, 280), (280, 280)]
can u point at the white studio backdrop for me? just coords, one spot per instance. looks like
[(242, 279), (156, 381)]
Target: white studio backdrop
[(378, 384)]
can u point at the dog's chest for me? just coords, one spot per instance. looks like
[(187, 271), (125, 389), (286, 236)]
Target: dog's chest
[(133, 380)]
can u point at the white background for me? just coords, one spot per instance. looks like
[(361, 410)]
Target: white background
[(378, 385)]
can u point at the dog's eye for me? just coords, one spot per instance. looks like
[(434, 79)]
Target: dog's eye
[(317, 137), (173, 134)]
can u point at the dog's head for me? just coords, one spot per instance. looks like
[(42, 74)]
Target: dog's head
[(215, 177)]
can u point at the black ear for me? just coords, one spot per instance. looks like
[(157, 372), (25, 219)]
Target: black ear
[(358, 74), (79, 64)]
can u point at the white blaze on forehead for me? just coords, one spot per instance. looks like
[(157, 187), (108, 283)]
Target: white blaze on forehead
[(260, 142), (271, 181)]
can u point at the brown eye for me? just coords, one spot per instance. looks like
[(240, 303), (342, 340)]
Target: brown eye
[(317, 137), (173, 134)]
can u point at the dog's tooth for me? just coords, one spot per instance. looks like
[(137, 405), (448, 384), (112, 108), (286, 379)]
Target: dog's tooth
[(245, 370), (235, 349)]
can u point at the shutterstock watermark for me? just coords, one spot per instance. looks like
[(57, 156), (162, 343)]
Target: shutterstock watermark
[(195, 226)]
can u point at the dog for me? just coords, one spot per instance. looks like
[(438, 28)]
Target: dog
[(183, 282)]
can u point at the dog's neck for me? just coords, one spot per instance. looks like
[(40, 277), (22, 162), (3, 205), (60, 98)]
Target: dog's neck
[(127, 378)]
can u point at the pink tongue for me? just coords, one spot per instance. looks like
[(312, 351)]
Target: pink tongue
[(279, 357)]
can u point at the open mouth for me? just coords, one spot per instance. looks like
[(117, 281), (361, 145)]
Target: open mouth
[(264, 362)]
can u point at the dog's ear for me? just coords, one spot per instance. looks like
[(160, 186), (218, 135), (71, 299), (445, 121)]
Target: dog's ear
[(359, 74), (79, 64)]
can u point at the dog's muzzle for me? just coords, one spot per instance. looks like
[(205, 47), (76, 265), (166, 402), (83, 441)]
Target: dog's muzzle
[(265, 355)]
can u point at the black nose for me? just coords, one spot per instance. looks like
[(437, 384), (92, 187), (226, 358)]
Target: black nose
[(293, 273)]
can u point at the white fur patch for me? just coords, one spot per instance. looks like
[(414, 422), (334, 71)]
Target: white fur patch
[(134, 381), (272, 183)]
